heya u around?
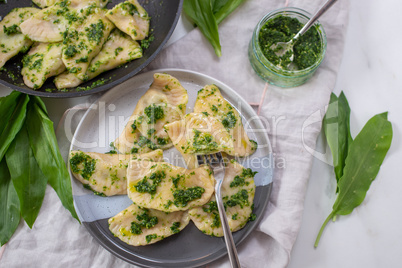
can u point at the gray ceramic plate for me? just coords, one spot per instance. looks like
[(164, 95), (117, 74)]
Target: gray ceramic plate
[(164, 16), (104, 121)]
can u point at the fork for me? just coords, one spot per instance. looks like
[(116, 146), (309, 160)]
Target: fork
[(216, 162)]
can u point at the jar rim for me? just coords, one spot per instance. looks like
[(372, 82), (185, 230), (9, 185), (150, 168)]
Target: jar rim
[(265, 62)]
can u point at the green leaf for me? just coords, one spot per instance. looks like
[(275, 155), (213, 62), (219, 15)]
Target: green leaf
[(40, 103), (7, 107), (336, 126), (13, 121), (9, 205), (29, 181), (45, 148), (200, 11), (366, 154), (225, 8), (218, 4)]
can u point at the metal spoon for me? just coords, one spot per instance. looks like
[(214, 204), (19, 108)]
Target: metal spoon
[(281, 48)]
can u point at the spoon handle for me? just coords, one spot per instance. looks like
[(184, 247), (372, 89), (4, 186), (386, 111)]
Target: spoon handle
[(313, 19)]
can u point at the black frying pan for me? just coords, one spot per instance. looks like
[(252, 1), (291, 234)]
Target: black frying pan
[(164, 16)]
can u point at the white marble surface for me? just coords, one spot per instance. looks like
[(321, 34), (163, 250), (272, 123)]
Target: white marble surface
[(371, 77)]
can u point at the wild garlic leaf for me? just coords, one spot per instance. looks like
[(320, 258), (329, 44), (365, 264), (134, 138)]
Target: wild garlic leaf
[(45, 148), (9, 205), (29, 181), (7, 106), (366, 154), (225, 9), (201, 13), (15, 119), (336, 126)]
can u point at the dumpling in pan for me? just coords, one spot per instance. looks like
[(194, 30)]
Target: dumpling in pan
[(163, 103), (84, 40), (118, 49), (238, 191), (42, 61), (138, 226), (12, 41), (198, 133), (210, 101), (130, 17), (51, 23), (105, 174), (168, 188)]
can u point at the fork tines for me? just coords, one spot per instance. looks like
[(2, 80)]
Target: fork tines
[(210, 159)]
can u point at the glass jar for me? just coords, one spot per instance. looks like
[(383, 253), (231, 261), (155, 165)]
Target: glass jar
[(272, 73)]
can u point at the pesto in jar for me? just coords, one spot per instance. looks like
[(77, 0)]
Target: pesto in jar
[(307, 48)]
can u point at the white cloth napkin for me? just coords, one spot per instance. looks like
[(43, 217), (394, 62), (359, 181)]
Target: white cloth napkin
[(57, 240)]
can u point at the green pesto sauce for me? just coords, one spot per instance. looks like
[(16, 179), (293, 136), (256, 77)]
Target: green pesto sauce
[(136, 228), (148, 238), (175, 227), (252, 217), (10, 74), (118, 50), (144, 186), (13, 29), (94, 84), (151, 131), (70, 51), (240, 198), (144, 221), (143, 141), (162, 141), (307, 48), (147, 41), (130, 8), (154, 113), (33, 62), (214, 108), (88, 163), (82, 59), (175, 180), (230, 120), (95, 32), (240, 180), (88, 187), (247, 172), (203, 142), (212, 207), (182, 197)]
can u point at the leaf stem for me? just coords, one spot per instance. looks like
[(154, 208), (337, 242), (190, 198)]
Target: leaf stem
[(317, 240)]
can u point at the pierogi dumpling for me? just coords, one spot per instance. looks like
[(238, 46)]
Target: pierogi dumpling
[(51, 23), (238, 191), (210, 101), (164, 102), (105, 174), (42, 61), (130, 17), (12, 41), (168, 188), (138, 226), (118, 49), (198, 133)]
